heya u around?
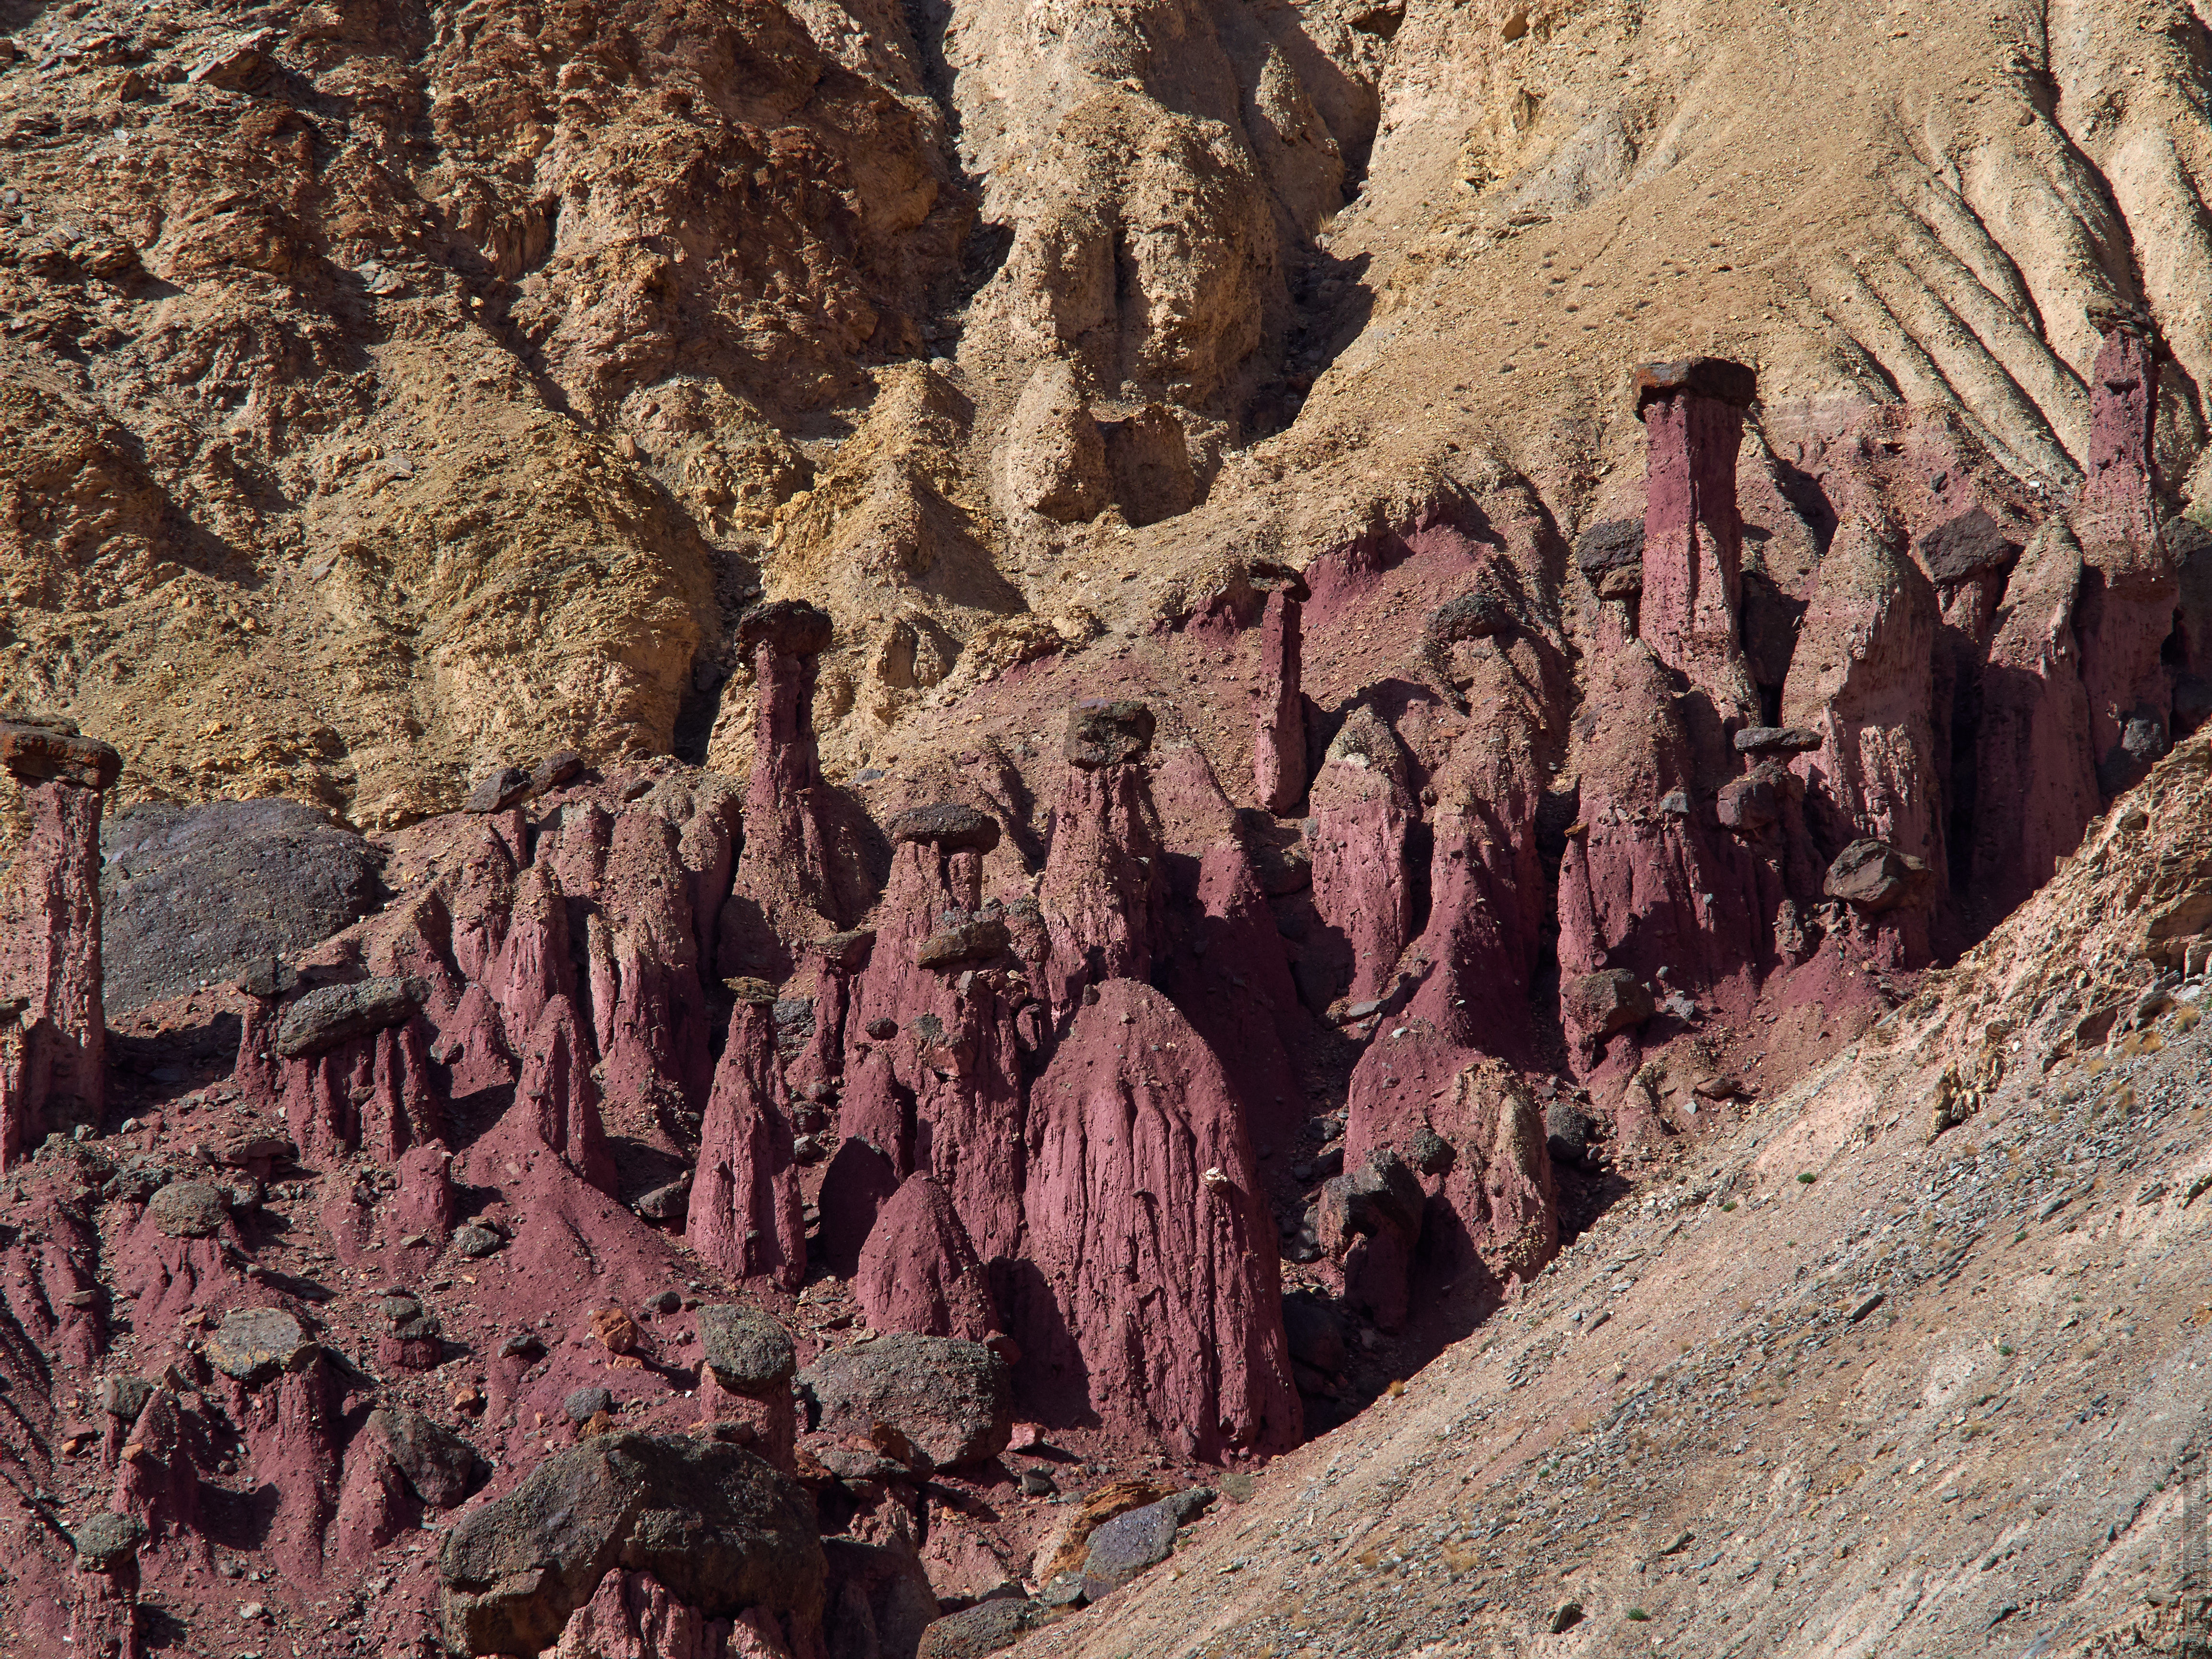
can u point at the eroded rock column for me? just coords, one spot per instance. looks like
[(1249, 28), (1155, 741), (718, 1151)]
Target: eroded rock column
[(1692, 557), (2130, 585), (1101, 893), (1278, 730), (745, 1215), (1157, 1302), (53, 1024), (783, 888)]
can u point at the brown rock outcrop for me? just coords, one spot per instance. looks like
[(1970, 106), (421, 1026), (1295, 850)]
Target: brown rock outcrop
[(1644, 884), (1362, 889), (1863, 678), (932, 1071), (2034, 744), (1157, 1297), (53, 1062), (746, 1216)]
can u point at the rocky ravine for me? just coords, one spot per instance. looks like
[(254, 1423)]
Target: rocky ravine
[(1140, 703)]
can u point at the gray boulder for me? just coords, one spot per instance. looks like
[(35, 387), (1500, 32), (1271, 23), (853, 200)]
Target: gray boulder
[(749, 1352), (192, 893), (1602, 1004), (254, 1345), (1124, 1547), (108, 1540), (189, 1209), (332, 1014), (442, 1468), (722, 1529), (953, 1400), (1104, 732), (984, 1628), (1875, 877)]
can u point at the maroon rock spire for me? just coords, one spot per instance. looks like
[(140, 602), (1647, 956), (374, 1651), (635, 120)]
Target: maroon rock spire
[(53, 1026), (1692, 416), (1159, 1300), (919, 1272), (783, 889), (933, 1067), (558, 1098), (2130, 586), (746, 1216), (1361, 885), (1646, 884), (1278, 727), (648, 1008), (1101, 892)]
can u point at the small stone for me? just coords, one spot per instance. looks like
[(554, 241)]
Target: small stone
[(42, 749), (1601, 1004), (189, 1209), (984, 1628), (555, 769), (498, 791), (1610, 555), (1875, 877), (332, 1014), (586, 1403), (976, 939), (669, 1203), (1036, 1483), (1718, 378), (1568, 1615), (521, 1345), (792, 628), (477, 1243), (124, 1397), (666, 1302), (883, 1030), (1768, 739), (1063, 1590)]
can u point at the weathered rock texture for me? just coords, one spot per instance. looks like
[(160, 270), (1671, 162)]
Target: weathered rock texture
[(53, 1071), (745, 1213), (1158, 1301)]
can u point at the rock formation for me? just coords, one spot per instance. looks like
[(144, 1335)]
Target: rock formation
[(918, 1272), (1863, 679), (1157, 1304), (53, 1023), (1101, 892), (744, 1194), (785, 888), (932, 1070), (1692, 554), (1361, 885), (1278, 730), (2129, 583)]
